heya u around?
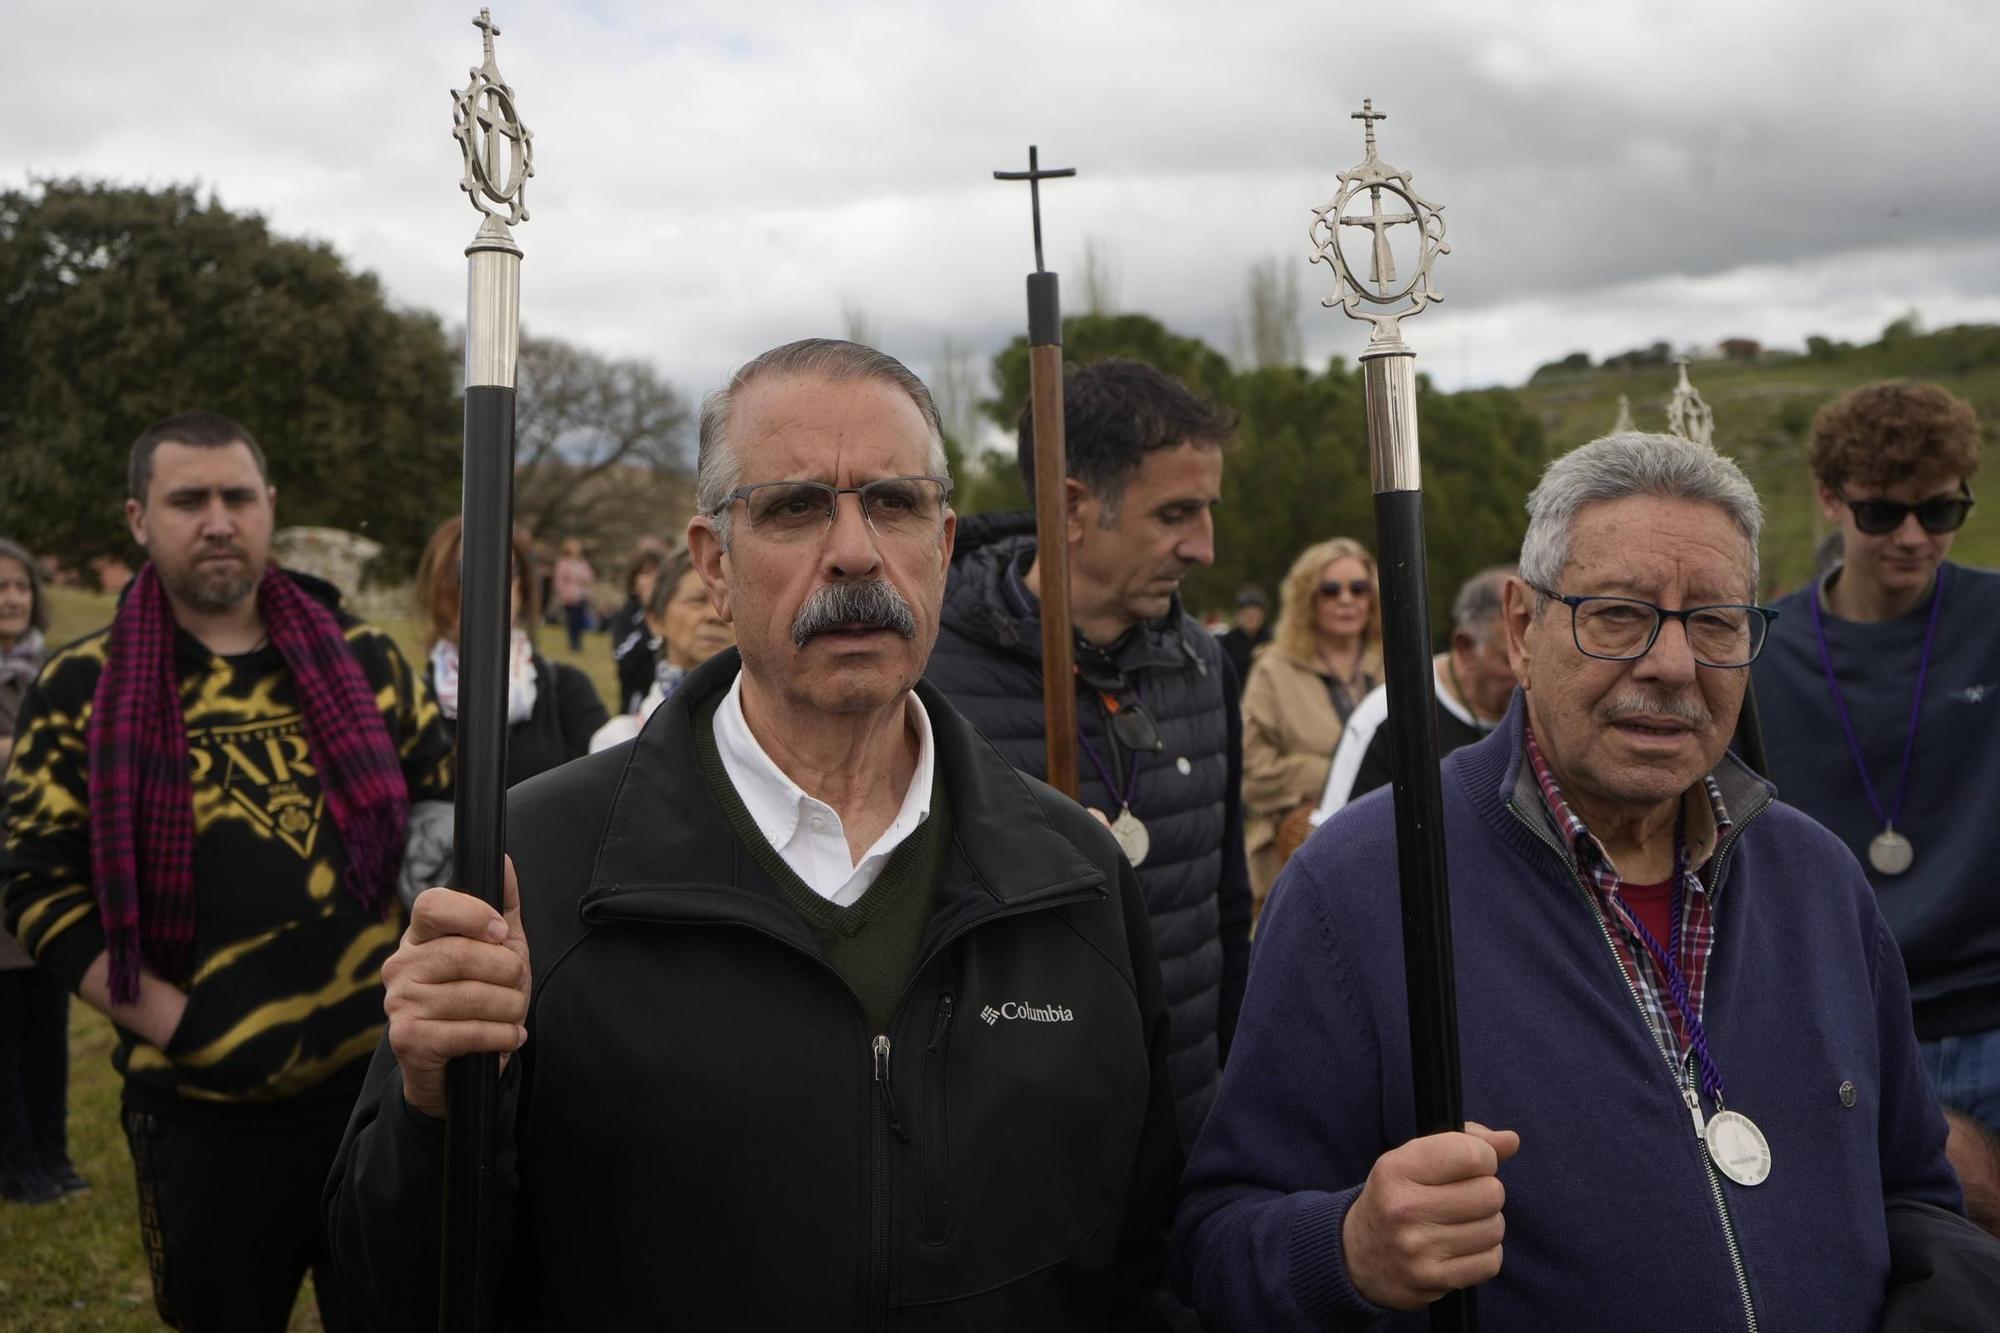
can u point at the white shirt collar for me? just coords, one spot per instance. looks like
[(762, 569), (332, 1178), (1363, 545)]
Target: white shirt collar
[(804, 830)]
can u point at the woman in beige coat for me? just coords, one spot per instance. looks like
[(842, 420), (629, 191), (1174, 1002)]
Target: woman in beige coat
[(1324, 656)]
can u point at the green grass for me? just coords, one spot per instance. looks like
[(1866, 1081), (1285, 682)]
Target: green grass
[(1763, 410), (78, 1264)]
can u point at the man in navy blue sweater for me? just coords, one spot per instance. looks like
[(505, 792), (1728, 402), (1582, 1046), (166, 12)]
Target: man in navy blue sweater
[(1879, 696), (1677, 997)]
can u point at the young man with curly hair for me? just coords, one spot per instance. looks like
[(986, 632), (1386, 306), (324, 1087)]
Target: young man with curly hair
[(1880, 695)]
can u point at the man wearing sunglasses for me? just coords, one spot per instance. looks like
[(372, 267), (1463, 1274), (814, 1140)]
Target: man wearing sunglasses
[(1161, 749), (1677, 1003), (1880, 702), (838, 1021)]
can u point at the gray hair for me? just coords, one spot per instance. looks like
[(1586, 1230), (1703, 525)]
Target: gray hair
[(717, 469), (1619, 467), (1476, 609)]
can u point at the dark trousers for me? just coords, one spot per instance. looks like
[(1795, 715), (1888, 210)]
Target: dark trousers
[(576, 619), (229, 1209), (34, 1071)]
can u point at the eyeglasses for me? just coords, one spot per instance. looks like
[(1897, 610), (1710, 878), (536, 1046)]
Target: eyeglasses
[(895, 507), (1355, 588), (1624, 629), (1878, 518)]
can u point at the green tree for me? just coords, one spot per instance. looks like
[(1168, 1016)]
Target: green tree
[(121, 305)]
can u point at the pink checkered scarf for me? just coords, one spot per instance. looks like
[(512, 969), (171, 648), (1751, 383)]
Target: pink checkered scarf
[(142, 794)]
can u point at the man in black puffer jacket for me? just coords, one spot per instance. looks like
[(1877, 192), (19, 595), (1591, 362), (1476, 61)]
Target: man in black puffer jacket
[(1161, 736)]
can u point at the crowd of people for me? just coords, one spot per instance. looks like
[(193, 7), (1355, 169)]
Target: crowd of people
[(817, 1008)]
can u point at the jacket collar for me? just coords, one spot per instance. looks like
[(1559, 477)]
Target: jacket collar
[(1501, 784), (668, 850), (988, 602)]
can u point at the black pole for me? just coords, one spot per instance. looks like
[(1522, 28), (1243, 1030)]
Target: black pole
[(499, 159), (472, 1082), (1389, 377)]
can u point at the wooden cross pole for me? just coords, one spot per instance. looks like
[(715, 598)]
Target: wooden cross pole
[(1045, 379)]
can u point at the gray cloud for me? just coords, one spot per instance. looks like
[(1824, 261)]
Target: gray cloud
[(718, 177)]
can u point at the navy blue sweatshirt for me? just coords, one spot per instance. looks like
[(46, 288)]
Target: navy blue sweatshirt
[(1945, 909), (1613, 1215)]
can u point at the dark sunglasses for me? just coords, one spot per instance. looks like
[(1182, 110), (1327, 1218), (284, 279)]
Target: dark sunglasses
[(1355, 588), (1880, 517), (1124, 711)]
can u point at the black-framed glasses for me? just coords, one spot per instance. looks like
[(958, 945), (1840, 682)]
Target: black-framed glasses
[(895, 507), (1355, 588), (1878, 518), (1624, 629)]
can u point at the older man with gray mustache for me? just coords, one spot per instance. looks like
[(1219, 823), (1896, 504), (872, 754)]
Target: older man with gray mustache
[(837, 1021), (1678, 1004)]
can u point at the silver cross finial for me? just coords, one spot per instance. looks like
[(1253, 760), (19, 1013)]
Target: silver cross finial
[(1368, 115), (499, 150), (486, 24), (1387, 295)]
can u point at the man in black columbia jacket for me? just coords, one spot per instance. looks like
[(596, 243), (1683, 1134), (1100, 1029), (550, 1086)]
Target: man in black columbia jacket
[(837, 1020)]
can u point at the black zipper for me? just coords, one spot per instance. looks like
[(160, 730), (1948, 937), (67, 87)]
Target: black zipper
[(1682, 1074), (934, 1148)]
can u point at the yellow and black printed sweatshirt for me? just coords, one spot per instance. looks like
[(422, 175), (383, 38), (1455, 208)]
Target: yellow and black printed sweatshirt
[(284, 979)]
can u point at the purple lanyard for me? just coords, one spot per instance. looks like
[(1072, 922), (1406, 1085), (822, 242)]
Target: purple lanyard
[(1131, 788), (1889, 818), (1669, 963)]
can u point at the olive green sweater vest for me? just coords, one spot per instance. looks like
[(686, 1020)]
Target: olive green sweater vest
[(873, 943)]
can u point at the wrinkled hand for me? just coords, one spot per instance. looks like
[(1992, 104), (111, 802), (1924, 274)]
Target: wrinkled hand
[(457, 985), (1428, 1220)]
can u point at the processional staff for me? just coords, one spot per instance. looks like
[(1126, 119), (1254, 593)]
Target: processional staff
[(1045, 395), (1690, 417), (499, 158), (1390, 380)]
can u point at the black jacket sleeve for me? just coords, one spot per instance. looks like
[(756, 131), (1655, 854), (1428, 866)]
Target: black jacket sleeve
[(1140, 1300), (1233, 891)]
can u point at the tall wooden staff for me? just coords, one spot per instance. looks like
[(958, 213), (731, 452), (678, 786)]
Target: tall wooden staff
[(1390, 378), (499, 158), (1045, 381)]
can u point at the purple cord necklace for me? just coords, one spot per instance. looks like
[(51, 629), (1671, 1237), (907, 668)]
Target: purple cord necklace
[(1735, 1144), (1890, 851)]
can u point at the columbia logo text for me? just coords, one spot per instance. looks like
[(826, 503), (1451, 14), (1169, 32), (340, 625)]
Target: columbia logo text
[(1031, 1013)]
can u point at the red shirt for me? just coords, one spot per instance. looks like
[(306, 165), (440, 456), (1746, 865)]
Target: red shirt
[(1652, 904)]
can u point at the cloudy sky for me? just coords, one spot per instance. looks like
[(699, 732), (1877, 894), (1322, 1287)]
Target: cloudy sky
[(715, 177)]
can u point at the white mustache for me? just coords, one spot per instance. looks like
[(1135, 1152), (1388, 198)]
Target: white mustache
[(1645, 707)]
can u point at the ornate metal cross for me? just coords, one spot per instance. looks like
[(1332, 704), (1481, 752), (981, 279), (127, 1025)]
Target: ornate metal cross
[(1034, 175), (486, 24), (1384, 287)]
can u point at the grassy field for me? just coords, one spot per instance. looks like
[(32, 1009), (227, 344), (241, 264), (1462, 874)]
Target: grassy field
[(78, 1264), (1763, 410)]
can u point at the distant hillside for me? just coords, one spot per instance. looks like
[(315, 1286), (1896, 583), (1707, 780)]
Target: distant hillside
[(1763, 409)]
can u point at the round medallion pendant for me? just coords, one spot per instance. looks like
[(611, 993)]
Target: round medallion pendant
[(1890, 852), (1132, 837), (1738, 1148)]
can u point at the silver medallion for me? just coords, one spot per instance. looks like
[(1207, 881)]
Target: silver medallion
[(1890, 852), (1132, 837), (1737, 1147)]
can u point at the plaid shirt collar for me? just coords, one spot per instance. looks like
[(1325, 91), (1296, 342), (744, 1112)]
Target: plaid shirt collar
[(1704, 817), (1704, 822)]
